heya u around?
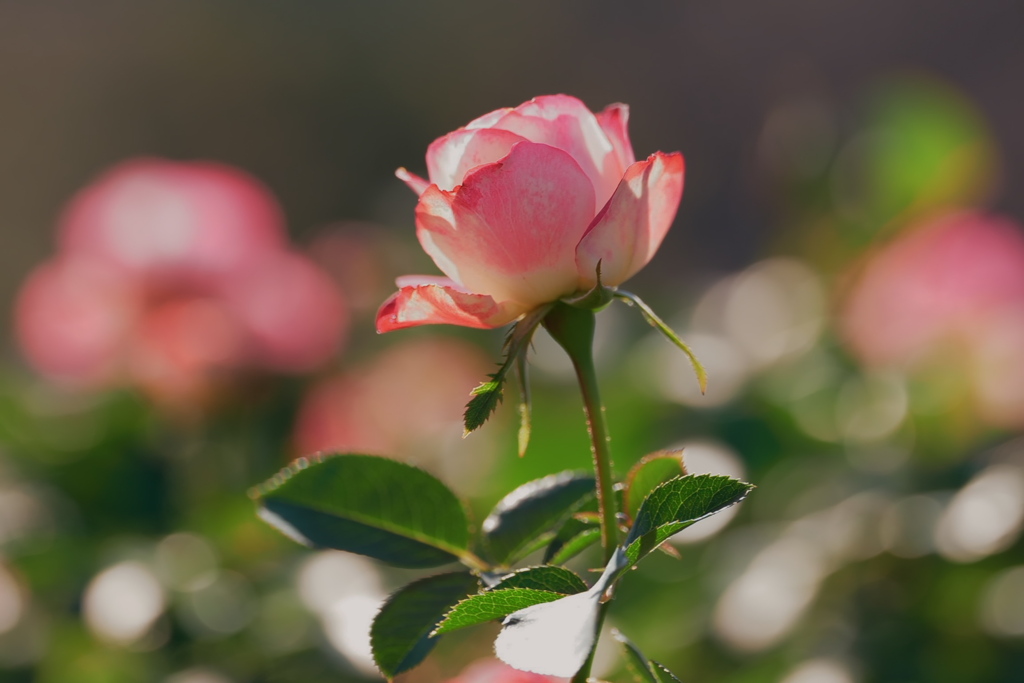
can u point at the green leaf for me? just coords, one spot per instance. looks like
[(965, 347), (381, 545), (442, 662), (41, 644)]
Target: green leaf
[(533, 510), (648, 473), (377, 507), (639, 666), (574, 536), (545, 578), (657, 323), (662, 673), (492, 605), (642, 669), (401, 635), (488, 395), (677, 504)]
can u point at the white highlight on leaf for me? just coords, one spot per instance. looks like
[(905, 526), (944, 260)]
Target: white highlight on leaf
[(555, 638), (285, 527), (122, 602)]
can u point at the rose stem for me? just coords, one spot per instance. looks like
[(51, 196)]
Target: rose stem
[(573, 329)]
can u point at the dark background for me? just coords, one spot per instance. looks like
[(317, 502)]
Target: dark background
[(324, 99)]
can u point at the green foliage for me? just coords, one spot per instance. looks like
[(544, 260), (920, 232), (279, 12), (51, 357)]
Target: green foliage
[(574, 537), (657, 323), (929, 148), (646, 475), (377, 507), (401, 636), (546, 578), (488, 395), (531, 513), (484, 607), (677, 504), (662, 673), (642, 669)]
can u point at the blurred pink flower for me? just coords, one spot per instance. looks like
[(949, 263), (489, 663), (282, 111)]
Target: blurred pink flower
[(521, 206), (493, 671), (406, 402), (169, 275), (948, 294)]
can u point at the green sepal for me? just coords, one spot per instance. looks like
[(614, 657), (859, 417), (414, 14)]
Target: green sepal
[(596, 298), (525, 407), (657, 323), (488, 395)]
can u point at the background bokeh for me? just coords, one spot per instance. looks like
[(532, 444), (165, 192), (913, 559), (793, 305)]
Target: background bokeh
[(848, 261)]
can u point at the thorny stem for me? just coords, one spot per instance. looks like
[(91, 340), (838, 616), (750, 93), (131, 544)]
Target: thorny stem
[(573, 329)]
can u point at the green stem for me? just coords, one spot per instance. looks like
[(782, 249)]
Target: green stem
[(573, 329)]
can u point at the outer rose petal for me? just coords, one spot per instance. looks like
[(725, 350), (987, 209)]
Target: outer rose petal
[(630, 228), (442, 304), (449, 158), (614, 121), (510, 230), (73, 319), (566, 123), (932, 283), (156, 216)]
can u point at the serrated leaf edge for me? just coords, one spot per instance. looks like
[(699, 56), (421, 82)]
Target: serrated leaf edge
[(438, 632)]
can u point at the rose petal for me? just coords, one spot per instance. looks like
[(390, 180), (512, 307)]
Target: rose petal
[(511, 228), (449, 158), (614, 121), (73, 318), (630, 228), (293, 313), (184, 218), (442, 304), (566, 123), (489, 119), (415, 183)]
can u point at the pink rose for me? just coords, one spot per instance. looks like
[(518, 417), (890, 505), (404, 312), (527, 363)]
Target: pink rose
[(172, 276), (521, 206), (937, 284), (947, 299)]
